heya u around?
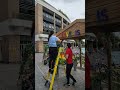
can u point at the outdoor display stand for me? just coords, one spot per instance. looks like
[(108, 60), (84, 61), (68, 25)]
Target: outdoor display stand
[(74, 31)]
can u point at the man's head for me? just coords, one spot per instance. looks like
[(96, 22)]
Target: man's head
[(69, 45)]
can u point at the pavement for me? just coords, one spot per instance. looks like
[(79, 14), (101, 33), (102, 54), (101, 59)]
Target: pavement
[(8, 76), (41, 70)]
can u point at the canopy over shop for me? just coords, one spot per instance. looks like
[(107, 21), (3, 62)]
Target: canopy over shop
[(106, 19), (76, 31)]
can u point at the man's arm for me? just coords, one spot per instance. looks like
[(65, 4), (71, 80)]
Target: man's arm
[(66, 56), (59, 40)]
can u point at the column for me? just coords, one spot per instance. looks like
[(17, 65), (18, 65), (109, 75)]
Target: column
[(39, 26), (0, 50), (14, 48), (80, 53), (54, 23), (5, 52), (108, 46), (62, 23)]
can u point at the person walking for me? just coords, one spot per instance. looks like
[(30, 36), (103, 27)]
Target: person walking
[(69, 65), (53, 50)]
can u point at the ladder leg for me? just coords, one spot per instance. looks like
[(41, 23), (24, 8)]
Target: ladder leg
[(55, 70), (47, 77)]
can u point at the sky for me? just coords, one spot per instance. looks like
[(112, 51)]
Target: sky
[(74, 9)]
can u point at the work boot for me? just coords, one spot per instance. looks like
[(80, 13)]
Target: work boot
[(67, 84), (74, 83)]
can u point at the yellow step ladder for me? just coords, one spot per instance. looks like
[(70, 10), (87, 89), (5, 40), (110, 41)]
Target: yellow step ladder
[(55, 69)]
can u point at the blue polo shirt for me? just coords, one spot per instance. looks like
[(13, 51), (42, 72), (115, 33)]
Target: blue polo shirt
[(52, 41)]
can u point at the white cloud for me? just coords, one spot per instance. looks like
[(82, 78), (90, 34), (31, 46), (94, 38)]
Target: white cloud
[(74, 9)]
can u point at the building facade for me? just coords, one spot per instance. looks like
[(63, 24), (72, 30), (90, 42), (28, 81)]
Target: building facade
[(47, 18), (103, 15), (101, 18), (15, 23)]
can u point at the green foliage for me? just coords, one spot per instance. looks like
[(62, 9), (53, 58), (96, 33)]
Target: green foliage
[(26, 74), (62, 61)]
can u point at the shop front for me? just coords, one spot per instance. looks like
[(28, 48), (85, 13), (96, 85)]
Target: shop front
[(102, 19), (74, 33)]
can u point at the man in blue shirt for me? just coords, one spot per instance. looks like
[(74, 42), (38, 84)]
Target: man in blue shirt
[(53, 50)]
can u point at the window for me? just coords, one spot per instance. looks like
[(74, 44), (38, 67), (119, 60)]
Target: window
[(44, 24), (58, 20), (52, 18), (49, 25), (47, 15), (52, 27), (44, 14)]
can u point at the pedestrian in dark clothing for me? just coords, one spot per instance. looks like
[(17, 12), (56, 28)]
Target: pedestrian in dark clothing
[(69, 65)]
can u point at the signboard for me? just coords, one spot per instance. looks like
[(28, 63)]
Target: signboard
[(70, 34), (101, 15)]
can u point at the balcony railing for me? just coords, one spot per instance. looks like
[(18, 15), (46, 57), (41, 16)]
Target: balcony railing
[(48, 19), (58, 23), (25, 16), (27, 7)]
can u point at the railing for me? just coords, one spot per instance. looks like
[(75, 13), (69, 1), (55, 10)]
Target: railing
[(25, 16), (48, 19)]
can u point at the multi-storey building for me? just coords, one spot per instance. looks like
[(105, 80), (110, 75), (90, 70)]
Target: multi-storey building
[(15, 24), (47, 18)]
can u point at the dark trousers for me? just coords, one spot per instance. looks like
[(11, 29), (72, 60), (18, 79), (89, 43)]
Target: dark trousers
[(68, 73), (53, 52)]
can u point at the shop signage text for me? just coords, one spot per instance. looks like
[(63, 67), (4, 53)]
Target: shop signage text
[(70, 34), (102, 15)]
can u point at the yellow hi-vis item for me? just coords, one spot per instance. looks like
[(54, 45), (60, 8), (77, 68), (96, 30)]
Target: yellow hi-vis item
[(55, 69)]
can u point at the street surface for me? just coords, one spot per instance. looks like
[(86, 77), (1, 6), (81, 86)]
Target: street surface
[(8, 76), (41, 70)]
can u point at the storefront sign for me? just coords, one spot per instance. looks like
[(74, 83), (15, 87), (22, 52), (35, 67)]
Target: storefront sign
[(77, 33), (70, 34), (102, 15)]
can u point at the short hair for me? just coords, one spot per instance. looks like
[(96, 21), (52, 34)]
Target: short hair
[(69, 45)]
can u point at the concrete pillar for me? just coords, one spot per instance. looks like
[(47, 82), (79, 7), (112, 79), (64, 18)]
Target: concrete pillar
[(62, 23), (0, 50), (4, 49), (54, 23), (39, 26), (109, 60), (14, 48), (80, 53)]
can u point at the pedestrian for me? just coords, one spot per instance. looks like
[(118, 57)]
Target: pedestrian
[(69, 65), (53, 50)]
